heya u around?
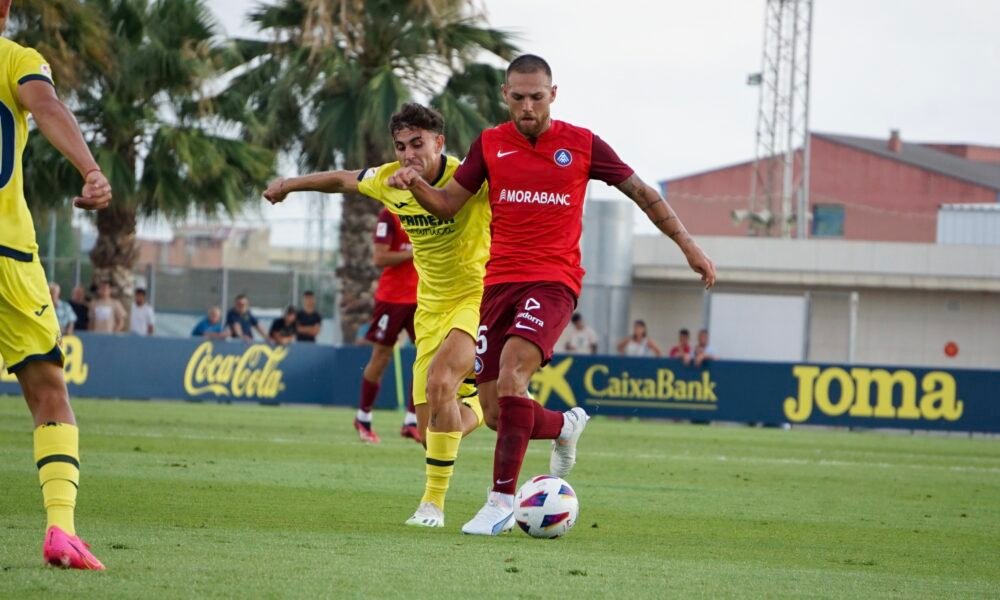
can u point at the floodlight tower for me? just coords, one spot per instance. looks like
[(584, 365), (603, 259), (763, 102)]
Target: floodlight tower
[(782, 121)]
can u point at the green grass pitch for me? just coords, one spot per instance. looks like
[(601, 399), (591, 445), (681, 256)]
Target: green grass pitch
[(201, 500)]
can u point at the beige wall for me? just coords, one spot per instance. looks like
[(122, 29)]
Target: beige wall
[(895, 326)]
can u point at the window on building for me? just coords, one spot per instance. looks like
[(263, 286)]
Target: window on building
[(828, 220)]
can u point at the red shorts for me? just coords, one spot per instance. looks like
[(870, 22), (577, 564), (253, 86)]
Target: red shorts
[(537, 311), (388, 320)]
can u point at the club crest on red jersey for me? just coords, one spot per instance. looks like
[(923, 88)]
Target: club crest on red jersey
[(563, 157)]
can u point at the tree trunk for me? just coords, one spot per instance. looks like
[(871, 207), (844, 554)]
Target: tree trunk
[(115, 251), (357, 272)]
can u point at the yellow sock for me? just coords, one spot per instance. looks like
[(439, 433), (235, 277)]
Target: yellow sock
[(442, 450), (57, 454), (473, 403)]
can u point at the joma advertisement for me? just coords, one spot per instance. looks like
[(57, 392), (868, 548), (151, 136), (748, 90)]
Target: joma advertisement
[(847, 395)]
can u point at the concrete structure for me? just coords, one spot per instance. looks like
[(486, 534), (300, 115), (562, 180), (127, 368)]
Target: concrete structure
[(912, 298), (859, 188)]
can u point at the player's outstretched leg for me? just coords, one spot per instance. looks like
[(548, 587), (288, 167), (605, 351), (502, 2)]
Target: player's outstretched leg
[(370, 383), (57, 456), (564, 447), (520, 419), (449, 422)]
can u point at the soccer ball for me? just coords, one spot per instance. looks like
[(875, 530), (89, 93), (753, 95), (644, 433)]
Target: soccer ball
[(546, 507)]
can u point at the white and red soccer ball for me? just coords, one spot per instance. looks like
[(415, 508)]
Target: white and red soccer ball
[(546, 507)]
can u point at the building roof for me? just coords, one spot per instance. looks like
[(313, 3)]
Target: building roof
[(920, 156)]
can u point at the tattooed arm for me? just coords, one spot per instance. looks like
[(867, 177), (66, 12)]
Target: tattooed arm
[(666, 220)]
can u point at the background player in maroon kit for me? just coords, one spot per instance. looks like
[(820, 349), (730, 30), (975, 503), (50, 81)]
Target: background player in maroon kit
[(395, 305), (538, 170)]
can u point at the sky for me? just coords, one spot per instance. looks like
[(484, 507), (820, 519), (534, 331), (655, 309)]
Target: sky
[(665, 82)]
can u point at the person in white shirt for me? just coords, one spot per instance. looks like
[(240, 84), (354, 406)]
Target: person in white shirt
[(582, 338), (142, 320), (639, 344)]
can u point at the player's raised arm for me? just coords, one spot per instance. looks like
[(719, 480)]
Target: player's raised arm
[(59, 126), (443, 203), (328, 182), (661, 214)]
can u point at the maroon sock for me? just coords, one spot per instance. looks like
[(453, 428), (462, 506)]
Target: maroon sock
[(409, 403), (548, 423), (517, 419), (369, 391)]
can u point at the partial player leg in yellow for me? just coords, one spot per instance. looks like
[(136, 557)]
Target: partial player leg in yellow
[(29, 335), (446, 416)]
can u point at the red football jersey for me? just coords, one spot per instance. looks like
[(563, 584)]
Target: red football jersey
[(398, 283), (537, 194)]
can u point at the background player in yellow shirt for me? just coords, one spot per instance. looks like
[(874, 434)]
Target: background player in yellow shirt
[(29, 331), (450, 258)]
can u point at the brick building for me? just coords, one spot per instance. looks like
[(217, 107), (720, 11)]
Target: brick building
[(209, 247), (859, 188)]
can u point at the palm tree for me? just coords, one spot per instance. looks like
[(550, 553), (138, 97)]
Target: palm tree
[(72, 38), (332, 72), (164, 146)]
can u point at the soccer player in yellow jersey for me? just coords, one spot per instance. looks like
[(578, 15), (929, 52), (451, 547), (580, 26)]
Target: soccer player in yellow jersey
[(29, 332), (450, 258)]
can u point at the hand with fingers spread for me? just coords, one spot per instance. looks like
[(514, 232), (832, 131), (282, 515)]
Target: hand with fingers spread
[(96, 193)]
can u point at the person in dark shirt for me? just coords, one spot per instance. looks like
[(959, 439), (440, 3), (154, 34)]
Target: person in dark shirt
[(78, 301), (240, 321), (307, 320), (282, 331)]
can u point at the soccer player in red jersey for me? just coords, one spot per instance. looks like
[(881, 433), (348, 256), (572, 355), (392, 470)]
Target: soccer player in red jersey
[(538, 169), (395, 305)]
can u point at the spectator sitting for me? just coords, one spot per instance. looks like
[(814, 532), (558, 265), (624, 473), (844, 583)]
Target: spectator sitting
[(703, 351), (64, 312), (80, 303), (582, 338), (142, 319), (683, 348), (211, 325), (107, 315), (639, 344), (241, 322), (307, 320), (283, 328)]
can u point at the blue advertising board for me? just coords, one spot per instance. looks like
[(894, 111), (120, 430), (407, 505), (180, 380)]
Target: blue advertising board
[(124, 366), (815, 394), (105, 366)]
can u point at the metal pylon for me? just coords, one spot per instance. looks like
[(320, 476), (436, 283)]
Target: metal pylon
[(780, 178)]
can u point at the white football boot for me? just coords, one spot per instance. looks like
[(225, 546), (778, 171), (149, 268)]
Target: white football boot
[(428, 515), (564, 447), (494, 518)]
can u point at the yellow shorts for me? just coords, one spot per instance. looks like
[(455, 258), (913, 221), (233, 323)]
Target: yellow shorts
[(432, 328), (28, 326)]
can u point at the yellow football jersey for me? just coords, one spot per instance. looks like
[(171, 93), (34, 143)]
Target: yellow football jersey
[(17, 65), (449, 255)]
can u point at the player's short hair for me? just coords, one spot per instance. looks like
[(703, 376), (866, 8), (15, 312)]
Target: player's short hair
[(684, 331), (416, 116), (240, 297), (140, 290), (290, 309), (308, 293), (529, 63), (576, 317)]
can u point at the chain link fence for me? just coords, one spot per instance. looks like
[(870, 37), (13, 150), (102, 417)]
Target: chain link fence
[(182, 295)]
